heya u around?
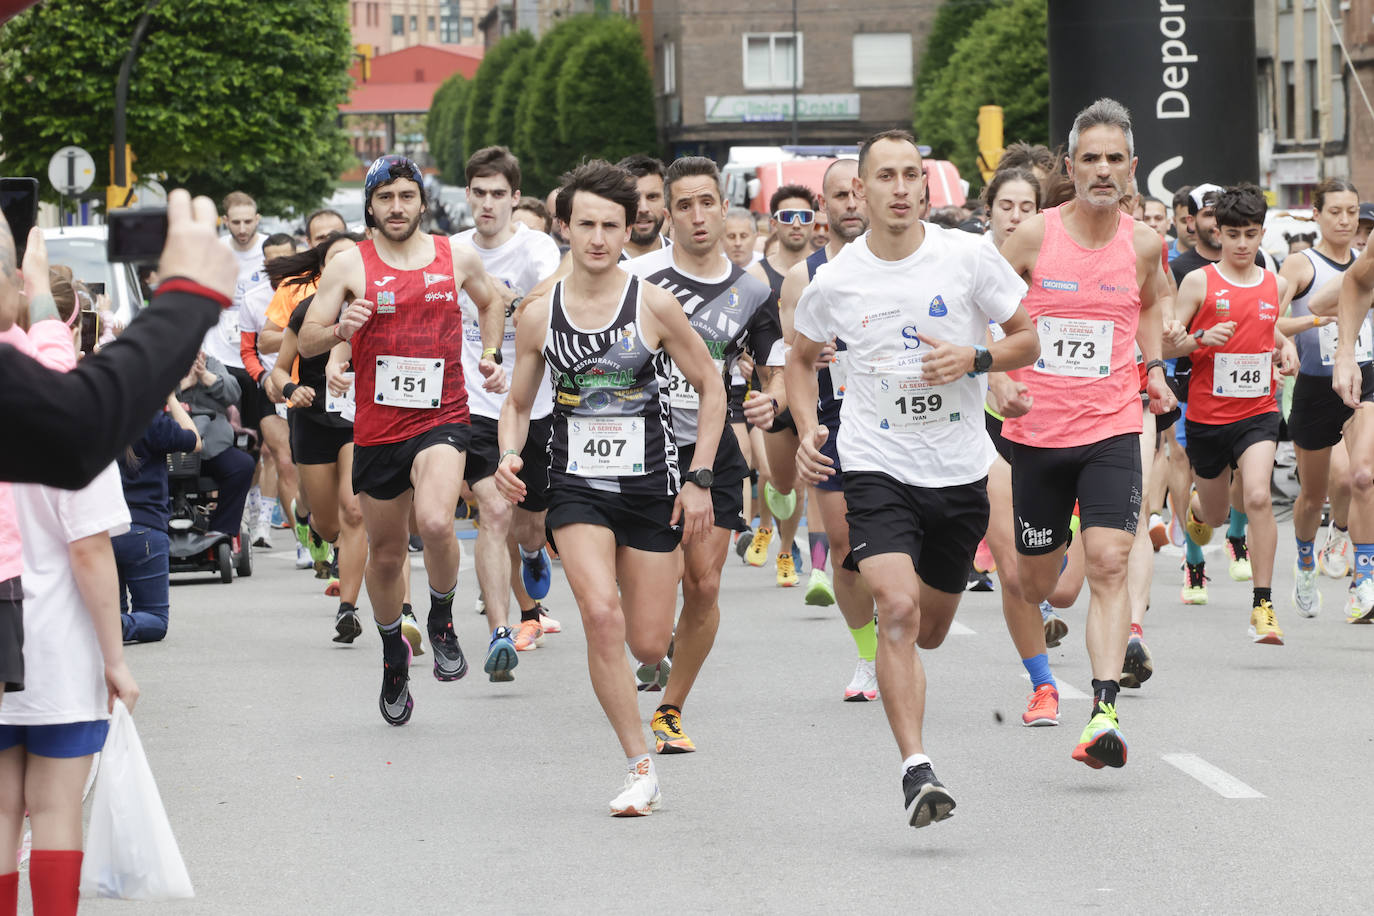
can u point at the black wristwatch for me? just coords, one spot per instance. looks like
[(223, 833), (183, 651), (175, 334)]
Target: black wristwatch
[(514, 304), (982, 360), (1156, 362), (702, 477), (493, 354)]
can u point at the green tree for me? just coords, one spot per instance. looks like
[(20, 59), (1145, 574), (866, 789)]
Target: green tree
[(444, 126), (543, 157), (477, 128), (501, 122), (953, 21), (1002, 61), (606, 96), (225, 94)]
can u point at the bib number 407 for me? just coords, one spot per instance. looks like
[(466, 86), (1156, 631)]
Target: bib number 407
[(604, 448)]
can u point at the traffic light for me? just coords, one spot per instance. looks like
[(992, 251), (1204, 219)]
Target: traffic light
[(120, 192), (989, 139)]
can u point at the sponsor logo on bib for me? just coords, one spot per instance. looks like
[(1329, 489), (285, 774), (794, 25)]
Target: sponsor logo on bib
[(909, 339), (881, 316)]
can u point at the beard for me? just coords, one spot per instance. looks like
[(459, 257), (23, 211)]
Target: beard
[(647, 238), (402, 234)]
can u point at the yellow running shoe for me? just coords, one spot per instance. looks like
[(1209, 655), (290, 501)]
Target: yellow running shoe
[(757, 554), (1199, 532), (787, 571), (1264, 626), (669, 738)]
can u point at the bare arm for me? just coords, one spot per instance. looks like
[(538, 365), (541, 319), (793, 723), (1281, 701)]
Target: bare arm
[(792, 286), (514, 424), (321, 330), (97, 578), (269, 338), (803, 391), (183, 419)]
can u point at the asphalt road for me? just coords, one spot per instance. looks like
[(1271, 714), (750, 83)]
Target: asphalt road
[(289, 794)]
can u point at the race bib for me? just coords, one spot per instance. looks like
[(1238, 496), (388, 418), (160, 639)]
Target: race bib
[(681, 394), (839, 374), (229, 327), (281, 410), (343, 405), (908, 402), (1329, 334), (612, 447), (1242, 375), (1081, 348), (404, 381)]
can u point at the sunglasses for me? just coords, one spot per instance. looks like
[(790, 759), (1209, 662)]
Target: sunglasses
[(800, 217)]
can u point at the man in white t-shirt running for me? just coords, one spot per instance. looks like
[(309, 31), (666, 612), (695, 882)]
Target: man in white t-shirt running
[(912, 302)]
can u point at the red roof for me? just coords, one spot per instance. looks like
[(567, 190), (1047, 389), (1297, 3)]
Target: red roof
[(404, 82)]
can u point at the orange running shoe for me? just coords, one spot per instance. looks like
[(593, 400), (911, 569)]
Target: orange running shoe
[(529, 636), (1042, 708)]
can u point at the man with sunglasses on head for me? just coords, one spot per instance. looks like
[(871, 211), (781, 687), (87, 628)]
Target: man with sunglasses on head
[(794, 221)]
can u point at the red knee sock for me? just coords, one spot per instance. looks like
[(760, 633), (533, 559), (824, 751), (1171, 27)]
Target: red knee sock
[(9, 894), (55, 879)]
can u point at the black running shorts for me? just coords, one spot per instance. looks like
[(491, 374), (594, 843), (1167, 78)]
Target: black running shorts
[(383, 471), (316, 443), (999, 442), (639, 522), (1213, 448), (727, 489), (1102, 477), (484, 456), (1319, 414), (12, 634), (734, 403), (938, 527)]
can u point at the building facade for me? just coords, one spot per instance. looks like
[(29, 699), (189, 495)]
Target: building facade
[(384, 26)]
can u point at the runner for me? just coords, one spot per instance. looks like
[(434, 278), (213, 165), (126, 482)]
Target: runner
[(1318, 416), (733, 313), (411, 427), (1232, 310), (740, 236), (794, 214), (517, 259), (848, 221), (646, 234), (1094, 283), (615, 509), (912, 302)]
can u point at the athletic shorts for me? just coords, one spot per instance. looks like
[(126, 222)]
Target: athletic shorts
[(12, 634), (639, 522), (783, 422), (938, 527), (1318, 413), (727, 489), (68, 739), (253, 401), (734, 403), (383, 471), (316, 443), (830, 449), (1212, 448), (484, 456), (999, 442), (1163, 420), (1102, 477)]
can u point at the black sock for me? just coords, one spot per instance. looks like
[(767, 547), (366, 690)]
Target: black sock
[(531, 614), (1104, 693), (1238, 545), (346, 606), (1264, 594), (407, 610), (302, 519), (440, 613), (668, 707), (393, 643)]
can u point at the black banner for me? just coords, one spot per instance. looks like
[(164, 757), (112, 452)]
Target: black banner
[(1186, 70)]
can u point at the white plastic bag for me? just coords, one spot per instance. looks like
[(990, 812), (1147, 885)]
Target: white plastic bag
[(130, 850)]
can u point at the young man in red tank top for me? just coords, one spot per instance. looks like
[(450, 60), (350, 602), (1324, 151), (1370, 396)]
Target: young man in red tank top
[(1232, 309), (1095, 291), (402, 327)]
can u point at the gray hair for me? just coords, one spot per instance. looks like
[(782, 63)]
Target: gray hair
[(741, 213), (1102, 113)]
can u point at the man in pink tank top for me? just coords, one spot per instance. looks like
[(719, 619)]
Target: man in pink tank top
[(403, 327), (1095, 288)]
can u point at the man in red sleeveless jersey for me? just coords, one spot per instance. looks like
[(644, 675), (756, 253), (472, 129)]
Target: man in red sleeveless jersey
[(1095, 289), (402, 328)]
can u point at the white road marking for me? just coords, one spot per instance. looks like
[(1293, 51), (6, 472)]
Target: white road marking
[(1067, 691), (1218, 780), (958, 629)]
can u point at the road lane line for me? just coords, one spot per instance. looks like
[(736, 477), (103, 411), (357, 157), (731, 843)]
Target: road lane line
[(1067, 691), (958, 629), (1214, 778)]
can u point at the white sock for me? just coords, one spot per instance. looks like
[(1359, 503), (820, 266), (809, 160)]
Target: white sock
[(914, 760), (634, 762), (528, 554)]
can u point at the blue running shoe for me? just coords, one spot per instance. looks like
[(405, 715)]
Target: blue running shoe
[(501, 656), (536, 574)]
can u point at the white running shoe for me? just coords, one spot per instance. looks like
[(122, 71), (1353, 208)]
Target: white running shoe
[(303, 558), (864, 686), (1306, 598), (1360, 608), (1334, 558), (640, 797)]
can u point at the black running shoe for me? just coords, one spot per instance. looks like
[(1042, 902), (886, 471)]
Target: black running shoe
[(395, 702), (416, 545), (1138, 666), (979, 581), (742, 542), (449, 663), (927, 800), (347, 627)]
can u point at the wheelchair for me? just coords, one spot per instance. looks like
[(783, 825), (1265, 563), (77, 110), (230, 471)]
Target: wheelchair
[(193, 546)]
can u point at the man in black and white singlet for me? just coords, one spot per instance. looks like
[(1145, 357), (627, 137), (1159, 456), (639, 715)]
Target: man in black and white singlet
[(614, 501), (734, 313)]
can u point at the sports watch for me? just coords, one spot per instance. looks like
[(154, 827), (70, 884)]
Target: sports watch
[(702, 477), (982, 360)]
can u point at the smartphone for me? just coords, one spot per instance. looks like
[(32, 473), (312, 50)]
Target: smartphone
[(90, 330), (136, 236), (19, 201), (97, 289)]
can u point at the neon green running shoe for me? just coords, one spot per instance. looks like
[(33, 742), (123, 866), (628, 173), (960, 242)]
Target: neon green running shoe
[(819, 591), (1101, 743), (320, 549), (781, 506), (302, 527)]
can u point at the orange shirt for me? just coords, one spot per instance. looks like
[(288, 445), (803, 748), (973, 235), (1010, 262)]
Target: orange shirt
[(284, 301)]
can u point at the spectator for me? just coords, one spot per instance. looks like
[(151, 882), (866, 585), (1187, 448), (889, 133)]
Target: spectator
[(210, 391), (142, 553)]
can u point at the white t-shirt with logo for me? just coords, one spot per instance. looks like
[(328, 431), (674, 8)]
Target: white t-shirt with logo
[(521, 262), (64, 670), (222, 341), (891, 421), (257, 296)]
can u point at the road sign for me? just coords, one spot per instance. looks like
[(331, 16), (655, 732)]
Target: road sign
[(71, 171)]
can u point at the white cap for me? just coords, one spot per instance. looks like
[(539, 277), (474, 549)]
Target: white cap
[(1200, 194)]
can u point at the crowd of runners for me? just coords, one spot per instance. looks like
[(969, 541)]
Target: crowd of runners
[(638, 382)]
